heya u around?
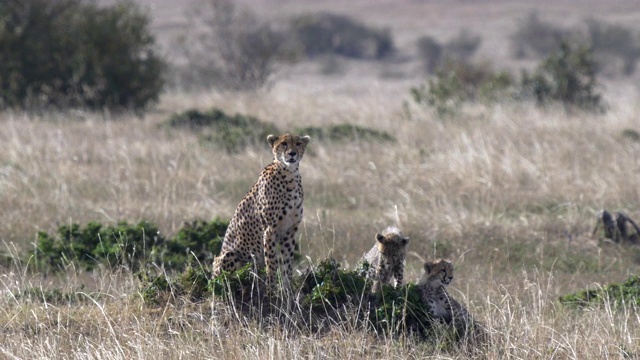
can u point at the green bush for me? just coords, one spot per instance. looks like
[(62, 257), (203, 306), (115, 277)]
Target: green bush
[(567, 77), (157, 289), (129, 245), (323, 292), (445, 94), (74, 53), (232, 133), (326, 33), (198, 239), (343, 133), (459, 82), (625, 294), (94, 244)]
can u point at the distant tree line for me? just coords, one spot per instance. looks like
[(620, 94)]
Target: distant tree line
[(76, 53)]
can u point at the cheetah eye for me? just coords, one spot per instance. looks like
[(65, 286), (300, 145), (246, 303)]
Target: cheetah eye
[(298, 144), (285, 145)]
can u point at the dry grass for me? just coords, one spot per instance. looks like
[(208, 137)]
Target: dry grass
[(508, 193)]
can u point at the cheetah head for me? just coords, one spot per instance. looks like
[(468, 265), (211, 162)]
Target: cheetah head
[(438, 272), (288, 149), (391, 241)]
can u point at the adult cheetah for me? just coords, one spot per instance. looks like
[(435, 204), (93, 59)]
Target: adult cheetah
[(386, 258), (264, 225)]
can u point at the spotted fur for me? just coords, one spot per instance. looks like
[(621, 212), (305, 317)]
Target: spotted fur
[(386, 258), (264, 225), (443, 307)]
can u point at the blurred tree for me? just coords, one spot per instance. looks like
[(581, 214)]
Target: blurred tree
[(73, 53), (229, 47)]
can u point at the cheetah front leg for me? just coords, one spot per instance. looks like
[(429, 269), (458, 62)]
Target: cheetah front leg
[(270, 258), (398, 273), (287, 250)]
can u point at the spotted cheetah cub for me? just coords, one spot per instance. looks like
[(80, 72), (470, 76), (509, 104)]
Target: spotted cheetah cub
[(386, 258), (446, 309)]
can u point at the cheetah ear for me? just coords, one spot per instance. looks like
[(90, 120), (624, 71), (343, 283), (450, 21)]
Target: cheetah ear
[(379, 237), (427, 268), (305, 139), (405, 240), (272, 139)]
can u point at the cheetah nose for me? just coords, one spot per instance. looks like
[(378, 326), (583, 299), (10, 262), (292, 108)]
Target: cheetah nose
[(292, 153)]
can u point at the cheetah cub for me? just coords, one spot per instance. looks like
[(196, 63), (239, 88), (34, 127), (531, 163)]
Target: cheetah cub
[(446, 309), (386, 258)]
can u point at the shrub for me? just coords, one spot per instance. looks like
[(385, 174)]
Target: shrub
[(325, 294), (232, 133), (230, 48), (95, 244), (129, 245), (197, 239), (157, 289), (445, 94), (458, 82), (326, 33), (568, 76), (72, 53), (344, 132), (627, 293), (537, 38)]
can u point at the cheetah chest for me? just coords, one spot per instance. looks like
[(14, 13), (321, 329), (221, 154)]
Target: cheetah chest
[(291, 209), (439, 304)]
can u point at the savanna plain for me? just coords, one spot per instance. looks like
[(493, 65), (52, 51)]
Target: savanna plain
[(509, 192)]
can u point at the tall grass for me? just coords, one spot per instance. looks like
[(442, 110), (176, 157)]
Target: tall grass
[(508, 193)]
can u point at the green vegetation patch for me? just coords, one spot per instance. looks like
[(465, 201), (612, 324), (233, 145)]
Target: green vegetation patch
[(232, 133), (457, 82), (324, 294), (130, 245), (625, 294), (344, 133), (199, 239), (158, 289), (72, 53), (567, 77), (123, 244)]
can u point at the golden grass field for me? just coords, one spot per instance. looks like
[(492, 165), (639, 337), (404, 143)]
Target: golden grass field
[(509, 193)]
